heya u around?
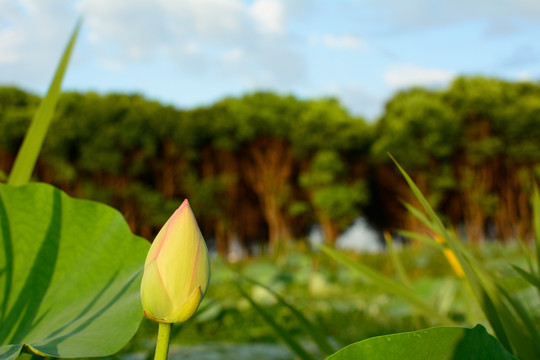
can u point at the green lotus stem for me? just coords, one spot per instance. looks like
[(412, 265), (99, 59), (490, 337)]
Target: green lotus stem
[(163, 337)]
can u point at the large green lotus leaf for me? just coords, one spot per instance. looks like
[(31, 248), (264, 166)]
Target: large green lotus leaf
[(441, 343), (69, 274)]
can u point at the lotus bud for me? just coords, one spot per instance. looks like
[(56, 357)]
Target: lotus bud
[(176, 271)]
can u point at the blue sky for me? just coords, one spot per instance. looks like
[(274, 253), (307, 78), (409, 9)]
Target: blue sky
[(194, 52)]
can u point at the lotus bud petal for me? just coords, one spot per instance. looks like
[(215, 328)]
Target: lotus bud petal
[(176, 271)]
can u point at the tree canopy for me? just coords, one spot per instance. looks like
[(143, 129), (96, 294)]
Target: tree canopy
[(261, 169)]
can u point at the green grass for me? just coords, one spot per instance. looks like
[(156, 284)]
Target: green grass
[(345, 306)]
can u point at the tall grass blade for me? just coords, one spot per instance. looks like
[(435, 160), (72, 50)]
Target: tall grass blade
[(33, 140), (314, 331), (398, 265), (420, 216), (519, 325), (422, 238), (481, 293), (536, 221), (389, 286), (507, 314), (434, 222), (524, 248), (512, 324), (528, 276), (285, 335)]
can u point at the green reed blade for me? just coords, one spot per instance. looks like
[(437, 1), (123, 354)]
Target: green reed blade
[(281, 331), (389, 286), (314, 331), (33, 141)]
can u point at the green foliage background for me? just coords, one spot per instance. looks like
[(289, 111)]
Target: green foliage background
[(264, 167)]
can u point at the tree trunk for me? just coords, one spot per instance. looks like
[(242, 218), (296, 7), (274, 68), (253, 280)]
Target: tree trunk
[(267, 168), (330, 230)]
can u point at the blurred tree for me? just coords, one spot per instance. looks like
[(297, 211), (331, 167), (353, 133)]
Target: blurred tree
[(336, 202), (518, 127), (16, 110), (262, 168), (264, 122), (422, 132), (478, 102), (332, 148)]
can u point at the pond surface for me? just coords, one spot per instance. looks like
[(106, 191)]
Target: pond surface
[(230, 351), (219, 351)]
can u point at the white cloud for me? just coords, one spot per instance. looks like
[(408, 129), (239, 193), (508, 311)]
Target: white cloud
[(524, 76), (33, 34), (358, 100), (36, 21), (192, 48), (269, 15), (111, 65), (8, 10), (342, 42), (198, 36), (233, 55), (351, 42), (501, 17), (209, 20), (9, 44), (405, 75)]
